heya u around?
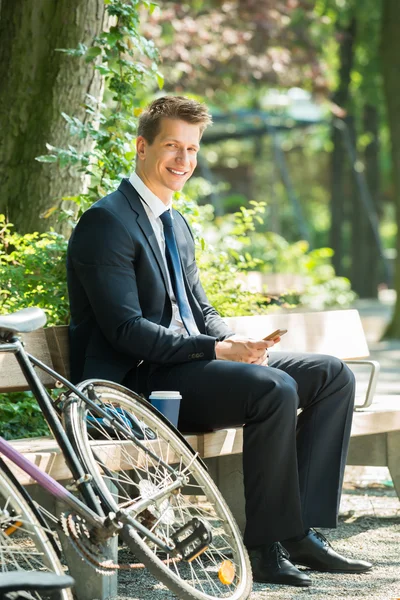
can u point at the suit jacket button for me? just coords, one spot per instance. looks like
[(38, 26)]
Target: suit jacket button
[(201, 354)]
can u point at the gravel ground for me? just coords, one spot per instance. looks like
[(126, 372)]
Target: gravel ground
[(369, 528)]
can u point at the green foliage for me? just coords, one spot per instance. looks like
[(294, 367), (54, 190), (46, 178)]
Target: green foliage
[(323, 289), (20, 416), (32, 272), (220, 273), (235, 246), (220, 278)]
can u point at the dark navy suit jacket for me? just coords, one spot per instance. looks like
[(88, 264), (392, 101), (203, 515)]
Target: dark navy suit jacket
[(120, 307)]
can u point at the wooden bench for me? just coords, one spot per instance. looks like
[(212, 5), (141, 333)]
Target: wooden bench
[(375, 437)]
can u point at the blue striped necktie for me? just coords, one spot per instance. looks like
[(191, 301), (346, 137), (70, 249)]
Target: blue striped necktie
[(175, 269)]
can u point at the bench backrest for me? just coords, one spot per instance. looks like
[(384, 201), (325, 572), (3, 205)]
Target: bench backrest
[(336, 332)]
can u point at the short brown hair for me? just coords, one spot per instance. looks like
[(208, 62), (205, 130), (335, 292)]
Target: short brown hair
[(172, 107)]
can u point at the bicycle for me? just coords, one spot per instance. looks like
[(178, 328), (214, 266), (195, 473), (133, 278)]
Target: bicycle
[(138, 479)]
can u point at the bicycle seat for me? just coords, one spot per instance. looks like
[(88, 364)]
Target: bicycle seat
[(16, 581), (22, 321)]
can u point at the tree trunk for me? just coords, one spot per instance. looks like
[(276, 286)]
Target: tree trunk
[(366, 261), (338, 174), (390, 55), (37, 84), (357, 218), (374, 264)]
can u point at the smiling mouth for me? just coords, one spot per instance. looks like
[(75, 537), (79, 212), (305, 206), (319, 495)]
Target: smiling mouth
[(176, 172)]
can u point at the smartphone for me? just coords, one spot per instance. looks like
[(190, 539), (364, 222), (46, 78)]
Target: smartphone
[(275, 334)]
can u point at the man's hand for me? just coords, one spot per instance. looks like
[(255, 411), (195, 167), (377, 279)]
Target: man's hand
[(242, 349)]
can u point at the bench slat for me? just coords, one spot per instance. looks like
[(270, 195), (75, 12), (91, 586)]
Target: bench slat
[(57, 340), (45, 453), (11, 378)]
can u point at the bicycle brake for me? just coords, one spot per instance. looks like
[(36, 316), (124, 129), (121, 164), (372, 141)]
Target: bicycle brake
[(192, 539)]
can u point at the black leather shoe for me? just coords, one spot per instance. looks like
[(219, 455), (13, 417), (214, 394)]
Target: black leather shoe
[(315, 552), (270, 564)]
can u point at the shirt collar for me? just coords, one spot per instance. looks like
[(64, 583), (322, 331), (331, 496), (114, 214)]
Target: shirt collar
[(156, 205)]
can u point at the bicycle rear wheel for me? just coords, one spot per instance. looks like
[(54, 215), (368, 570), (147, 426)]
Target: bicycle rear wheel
[(223, 570), (24, 544)]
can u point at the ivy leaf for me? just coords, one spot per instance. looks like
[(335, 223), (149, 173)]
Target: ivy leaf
[(160, 80), (113, 37), (103, 70), (92, 53), (49, 212), (74, 199), (47, 158)]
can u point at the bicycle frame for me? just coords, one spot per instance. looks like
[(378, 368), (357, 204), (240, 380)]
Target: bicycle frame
[(49, 484), (93, 512), (109, 526), (51, 416)]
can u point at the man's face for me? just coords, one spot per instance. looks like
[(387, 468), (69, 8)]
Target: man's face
[(167, 163)]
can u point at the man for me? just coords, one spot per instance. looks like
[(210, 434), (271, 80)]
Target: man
[(139, 316)]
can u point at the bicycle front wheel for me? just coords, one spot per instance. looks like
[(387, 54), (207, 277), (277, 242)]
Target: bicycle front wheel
[(124, 473), (24, 544)]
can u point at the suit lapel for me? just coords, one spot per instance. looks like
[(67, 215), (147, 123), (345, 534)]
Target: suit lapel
[(143, 222)]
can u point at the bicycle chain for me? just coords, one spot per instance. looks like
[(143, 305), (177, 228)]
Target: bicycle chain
[(78, 535)]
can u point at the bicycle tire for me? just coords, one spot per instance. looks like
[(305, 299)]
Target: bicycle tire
[(199, 579), (24, 543)]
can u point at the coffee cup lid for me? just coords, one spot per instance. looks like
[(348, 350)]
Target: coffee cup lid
[(165, 395)]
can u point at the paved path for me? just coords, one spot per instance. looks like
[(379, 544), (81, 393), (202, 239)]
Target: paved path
[(369, 528)]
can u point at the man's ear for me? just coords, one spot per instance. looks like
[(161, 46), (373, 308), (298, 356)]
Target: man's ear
[(141, 145)]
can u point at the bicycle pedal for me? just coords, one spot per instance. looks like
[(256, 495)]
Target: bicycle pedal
[(192, 539)]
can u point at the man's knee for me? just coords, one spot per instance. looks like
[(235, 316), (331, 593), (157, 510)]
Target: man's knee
[(328, 369), (277, 392), (338, 370)]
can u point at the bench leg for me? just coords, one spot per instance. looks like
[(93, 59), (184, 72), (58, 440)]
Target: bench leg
[(393, 452), (89, 584), (368, 450), (227, 472)]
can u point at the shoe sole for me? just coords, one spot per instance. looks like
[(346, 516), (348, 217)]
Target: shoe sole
[(304, 584), (332, 570)]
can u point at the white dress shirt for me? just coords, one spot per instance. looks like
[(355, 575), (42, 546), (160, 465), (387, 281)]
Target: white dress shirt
[(154, 207)]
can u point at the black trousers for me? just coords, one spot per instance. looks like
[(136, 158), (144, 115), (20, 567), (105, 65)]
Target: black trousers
[(293, 464)]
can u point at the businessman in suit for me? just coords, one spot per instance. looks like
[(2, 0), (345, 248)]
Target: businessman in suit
[(139, 316)]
